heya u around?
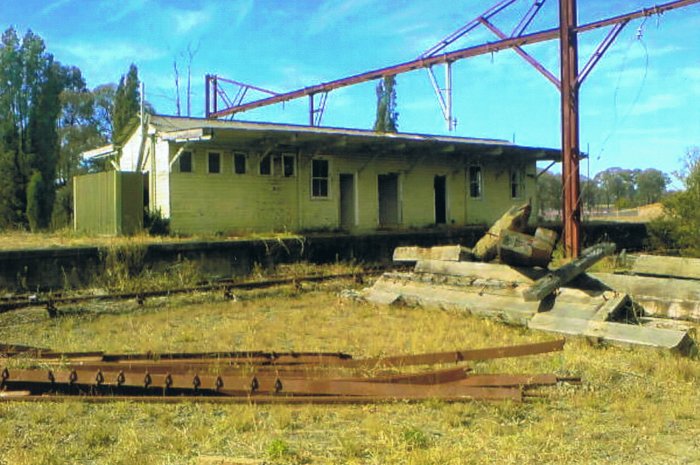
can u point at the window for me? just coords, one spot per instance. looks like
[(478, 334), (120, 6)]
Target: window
[(239, 163), (288, 165), (319, 178), (517, 183), (214, 162), (475, 182), (185, 162), (266, 165)]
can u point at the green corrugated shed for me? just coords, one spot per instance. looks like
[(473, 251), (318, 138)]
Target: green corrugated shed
[(109, 203)]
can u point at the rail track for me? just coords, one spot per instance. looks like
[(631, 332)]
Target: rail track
[(30, 373), (51, 300)]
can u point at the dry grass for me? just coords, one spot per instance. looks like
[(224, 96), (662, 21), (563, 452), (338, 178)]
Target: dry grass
[(14, 240), (636, 406)]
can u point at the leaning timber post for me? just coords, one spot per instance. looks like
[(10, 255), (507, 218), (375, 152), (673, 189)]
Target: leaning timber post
[(570, 127), (562, 275)]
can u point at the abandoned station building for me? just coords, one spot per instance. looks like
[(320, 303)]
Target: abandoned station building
[(211, 176)]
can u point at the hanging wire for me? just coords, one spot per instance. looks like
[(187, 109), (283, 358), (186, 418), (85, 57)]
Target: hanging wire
[(638, 39)]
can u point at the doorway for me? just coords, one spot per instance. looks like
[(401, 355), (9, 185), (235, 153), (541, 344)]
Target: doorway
[(347, 201), (440, 188), (388, 190)]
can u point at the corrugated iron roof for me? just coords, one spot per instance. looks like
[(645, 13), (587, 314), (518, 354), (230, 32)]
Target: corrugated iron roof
[(173, 124)]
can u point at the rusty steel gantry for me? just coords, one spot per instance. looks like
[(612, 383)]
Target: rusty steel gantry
[(568, 84)]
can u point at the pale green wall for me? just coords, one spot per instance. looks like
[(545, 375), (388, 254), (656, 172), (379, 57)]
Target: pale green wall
[(227, 202), (110, 203)]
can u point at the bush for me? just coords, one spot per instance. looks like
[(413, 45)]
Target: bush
[(680, 228), (155, 224)]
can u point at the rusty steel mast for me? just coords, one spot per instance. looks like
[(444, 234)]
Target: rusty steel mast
[(569, 83)]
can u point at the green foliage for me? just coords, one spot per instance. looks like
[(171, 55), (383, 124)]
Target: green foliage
[(387, 116), (62, 213), (549, 192), (125, 112), (414, 438), (680, 228), (36, 205), (278, 449), (155, 223)]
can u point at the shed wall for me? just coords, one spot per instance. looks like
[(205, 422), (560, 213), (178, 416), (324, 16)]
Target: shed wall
[(228, 203)]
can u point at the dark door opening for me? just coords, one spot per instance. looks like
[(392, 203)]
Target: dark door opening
[(347, 201), (388, 190), (440, 188)]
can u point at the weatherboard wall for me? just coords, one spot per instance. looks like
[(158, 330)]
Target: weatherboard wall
[(202, 202)]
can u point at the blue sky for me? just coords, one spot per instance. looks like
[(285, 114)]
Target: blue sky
[(639, 108)]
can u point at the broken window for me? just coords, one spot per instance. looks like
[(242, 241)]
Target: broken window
[(239, 163), (288, 165), (214, 162), (475, 182), (319, 178), (517, 182), (266, 165), (185, 162)]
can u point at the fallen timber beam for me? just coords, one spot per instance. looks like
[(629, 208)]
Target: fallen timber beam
[(659, 297), (481, 270), (452, 253), (614, 333), (670, 267), (562, 275), (515, 219)]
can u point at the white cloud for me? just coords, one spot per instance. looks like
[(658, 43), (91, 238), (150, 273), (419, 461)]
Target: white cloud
[(241, 10), (97, 55), (115, 11), (332, 12), (188, 20), (657, 103), (54, 5)]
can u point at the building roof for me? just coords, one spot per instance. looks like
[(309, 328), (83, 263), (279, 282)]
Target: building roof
[(254, 134)]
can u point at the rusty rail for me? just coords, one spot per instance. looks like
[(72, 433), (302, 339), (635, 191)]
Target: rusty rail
[(262, 377), (50, 301)]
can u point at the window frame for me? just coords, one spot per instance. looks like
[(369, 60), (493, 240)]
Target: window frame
[(327, 179), (234, 156), (287, 156), (271, 164), (479, 182), (209, 154), (517, 182), (179, 162)]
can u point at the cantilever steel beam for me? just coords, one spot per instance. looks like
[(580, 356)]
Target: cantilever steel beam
[(428, 61)]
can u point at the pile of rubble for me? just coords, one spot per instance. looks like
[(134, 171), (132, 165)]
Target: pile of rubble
[(641, 306)]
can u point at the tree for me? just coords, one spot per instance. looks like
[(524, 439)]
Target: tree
[(30, 86), (36, 203), (680, 228), (549, 195), (387, 116), (125, 114), (651, 185)]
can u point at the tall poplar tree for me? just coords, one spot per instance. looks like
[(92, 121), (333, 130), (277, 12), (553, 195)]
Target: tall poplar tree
[(30, 85), (387, 116), (125, 114)]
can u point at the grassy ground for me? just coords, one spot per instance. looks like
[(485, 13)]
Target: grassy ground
[(14, 240), (635, 406)]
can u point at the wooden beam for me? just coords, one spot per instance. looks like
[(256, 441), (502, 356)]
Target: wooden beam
[(451, 253), (614, 333), (480, 270), (661, 297), (562, 275), (675, 267)]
